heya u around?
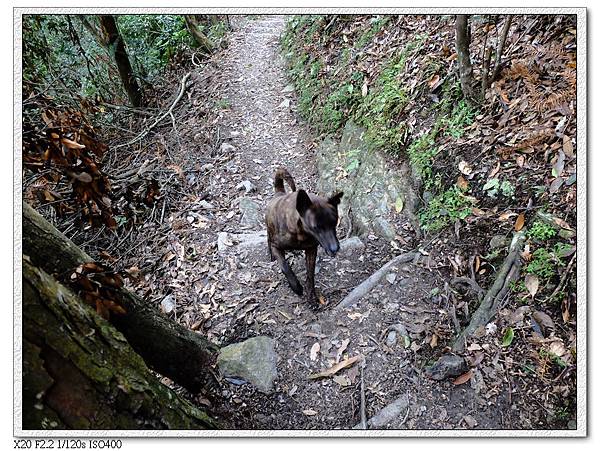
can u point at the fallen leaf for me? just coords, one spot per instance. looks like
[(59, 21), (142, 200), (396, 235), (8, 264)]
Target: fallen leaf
[(341, 349), (434, 341), (568, 147), (463, 378), (509, 335), (543, 319), (462, 183), (314, 350), (565, 310), (558, 167), (465, 168), (433, 81), (562, 223), (520, 222), (494, 170), (364, 90), (399, 205), (341, 380), (335, 368), (532, 283)]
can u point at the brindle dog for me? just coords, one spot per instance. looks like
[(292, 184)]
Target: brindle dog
[(298, 220)]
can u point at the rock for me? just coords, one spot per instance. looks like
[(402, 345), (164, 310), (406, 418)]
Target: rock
[(246, 185), (250, 213), (498, 242), (239, 241), (288, 88), (227, 148), (566, 234), (351, 246), (448, 365), (205, 205), (391, 277), (371, 189), (253, 360), (285, 104), (207, 167), (223, 242), (391, 338), (168, 304)]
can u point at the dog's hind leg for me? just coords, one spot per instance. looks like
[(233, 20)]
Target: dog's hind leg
[(287, 271), (311, 261), (269, 245)]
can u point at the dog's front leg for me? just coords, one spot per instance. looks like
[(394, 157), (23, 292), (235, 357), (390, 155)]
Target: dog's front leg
[(311, 260), (287, 271)]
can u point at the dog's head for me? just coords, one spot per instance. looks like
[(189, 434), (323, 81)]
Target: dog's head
[(320, 219)]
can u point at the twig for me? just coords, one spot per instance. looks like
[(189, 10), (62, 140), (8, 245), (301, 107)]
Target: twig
[(161, 117), (363, 403), (564, 276)]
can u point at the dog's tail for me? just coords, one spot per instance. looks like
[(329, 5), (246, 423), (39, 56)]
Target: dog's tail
[(280, 175)]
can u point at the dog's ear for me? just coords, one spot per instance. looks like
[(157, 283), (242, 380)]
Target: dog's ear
[(335, 199), (303, 202)]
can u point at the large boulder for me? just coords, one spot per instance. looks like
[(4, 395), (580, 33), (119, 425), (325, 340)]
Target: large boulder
[(253, 360)]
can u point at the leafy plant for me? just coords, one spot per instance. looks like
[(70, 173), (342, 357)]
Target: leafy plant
[(543, 264), (444, 209), (541, 231)]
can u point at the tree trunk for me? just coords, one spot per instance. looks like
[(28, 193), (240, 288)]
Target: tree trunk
[(465, 69), (167, 347), (79, 372), (114, 42), (192, 24)]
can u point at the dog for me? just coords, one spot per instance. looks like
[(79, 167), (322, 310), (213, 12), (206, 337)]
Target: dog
[(300, 221)]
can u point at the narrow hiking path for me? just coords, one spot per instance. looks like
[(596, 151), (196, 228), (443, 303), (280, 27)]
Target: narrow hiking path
[(226, 288)]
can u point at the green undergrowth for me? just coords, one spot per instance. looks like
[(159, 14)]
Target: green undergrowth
[(334, 86)]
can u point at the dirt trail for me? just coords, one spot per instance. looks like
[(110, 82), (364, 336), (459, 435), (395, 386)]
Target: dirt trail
[(235, 292)]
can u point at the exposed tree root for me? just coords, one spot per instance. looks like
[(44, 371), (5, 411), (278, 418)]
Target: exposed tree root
[(508, 272), (370, 283)]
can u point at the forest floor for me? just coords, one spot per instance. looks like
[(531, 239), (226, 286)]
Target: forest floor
[(236, 125), (238, 293)]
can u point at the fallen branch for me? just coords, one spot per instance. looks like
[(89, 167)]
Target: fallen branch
[(508, 272), (370, 283), (161, 117)]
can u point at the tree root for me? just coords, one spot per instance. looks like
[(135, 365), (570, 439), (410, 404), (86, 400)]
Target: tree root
[(361, 290), (509, 271)]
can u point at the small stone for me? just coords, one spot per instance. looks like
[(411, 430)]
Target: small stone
[(285, 104), (205, 205), (227, 148), (250, 213), (391, 338), (448, 365), (168, 304), (470, 421), (351, 246), (391, 277), (246, 185), (207, 167), (498, 242), (288, 88)]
